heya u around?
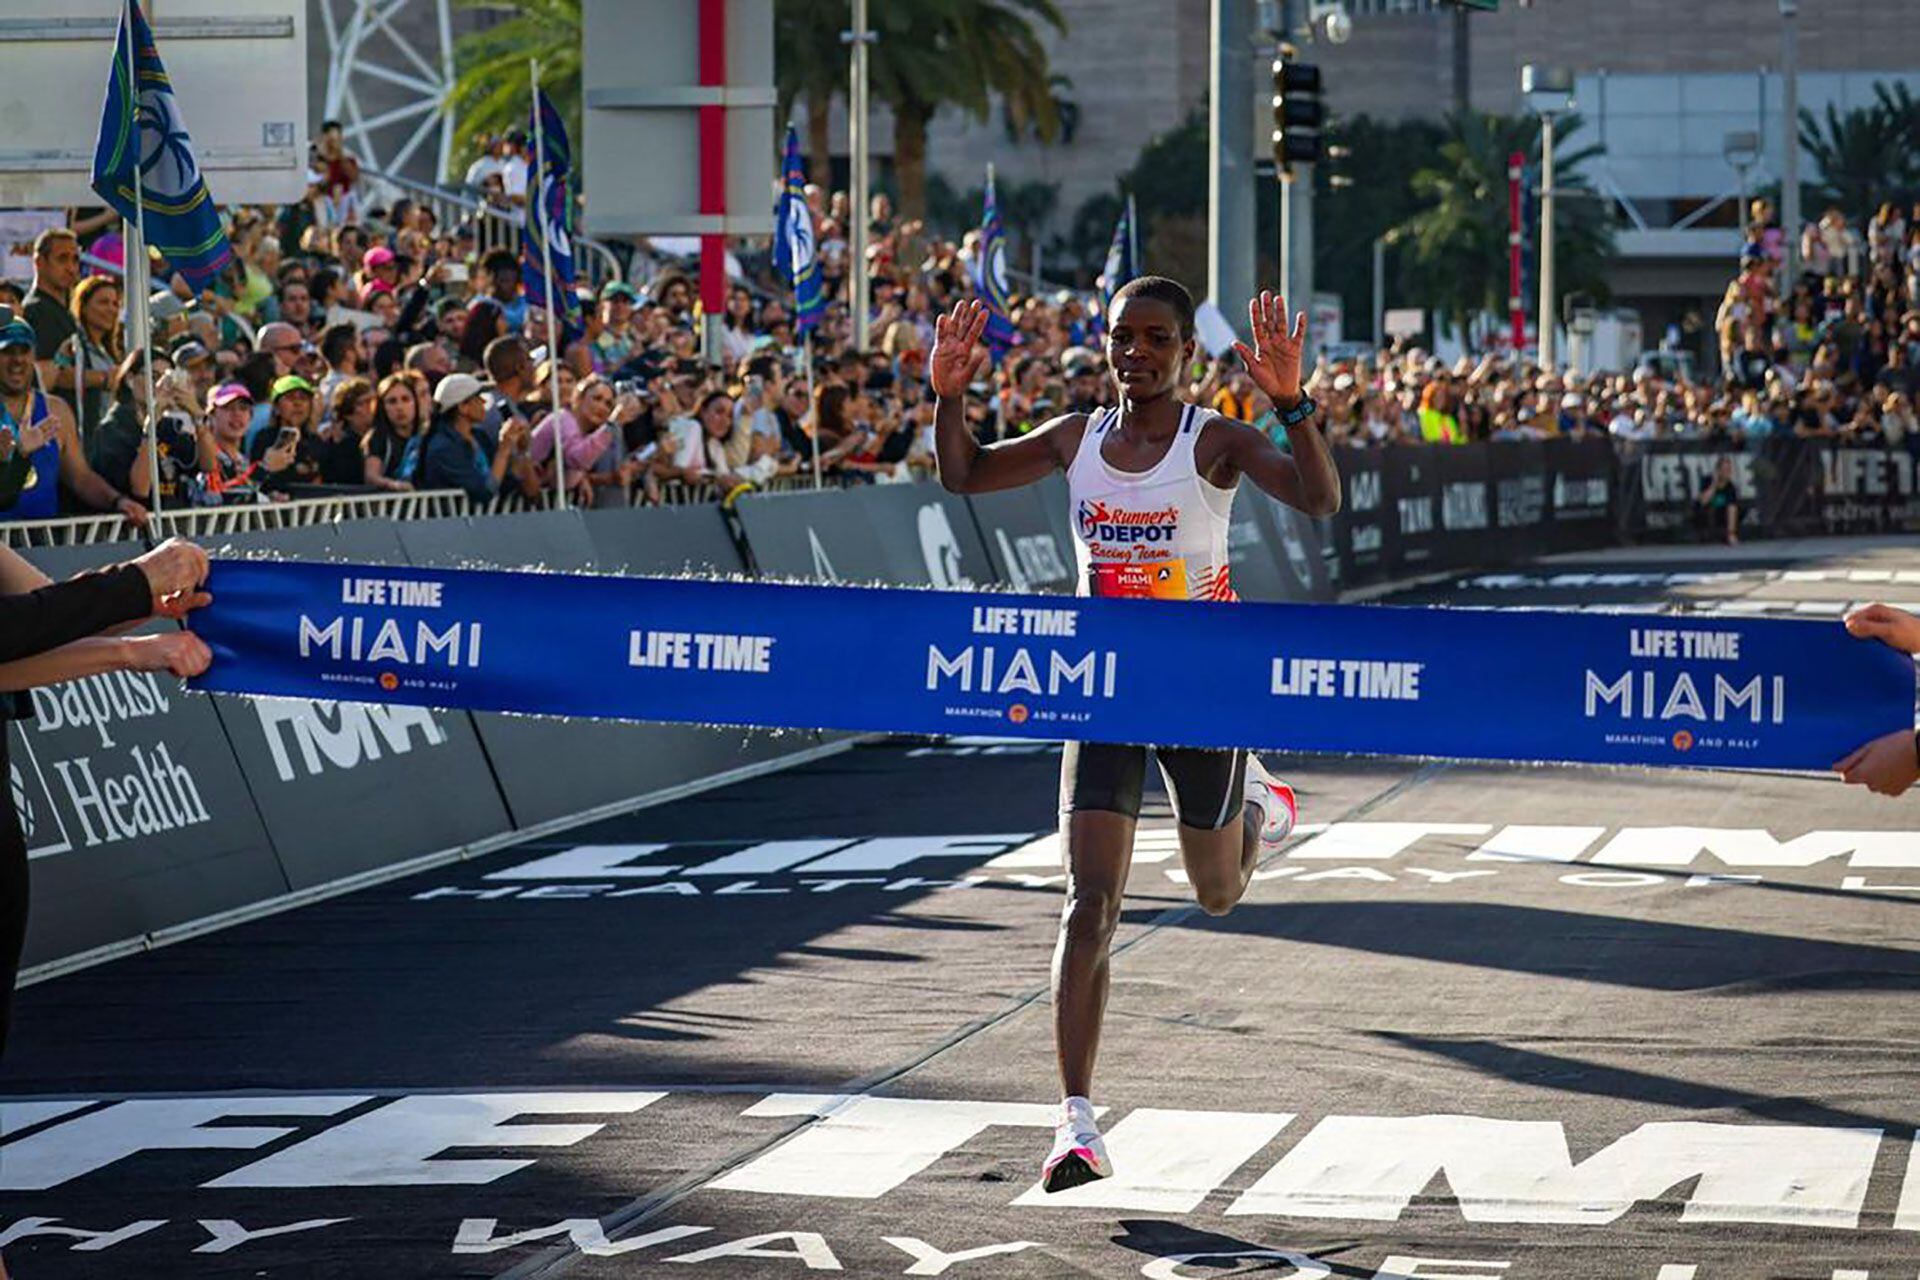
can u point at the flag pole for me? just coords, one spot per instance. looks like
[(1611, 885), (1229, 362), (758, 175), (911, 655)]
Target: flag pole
[(537, 208), (139, 289), (806, 347), (1133, 235)]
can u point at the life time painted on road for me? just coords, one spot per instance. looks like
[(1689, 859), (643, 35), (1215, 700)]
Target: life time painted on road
[(1607, 688)]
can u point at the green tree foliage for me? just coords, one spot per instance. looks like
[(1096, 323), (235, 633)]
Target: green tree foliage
[(1384, 155), (1865, 155), (1457, 241), (491, 93), (927, 56)]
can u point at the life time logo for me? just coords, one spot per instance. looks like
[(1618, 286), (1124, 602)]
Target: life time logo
[(1001, 664), (373, 638), (1099, 522)]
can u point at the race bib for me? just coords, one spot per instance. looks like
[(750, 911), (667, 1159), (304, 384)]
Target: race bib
[(1155, 580)]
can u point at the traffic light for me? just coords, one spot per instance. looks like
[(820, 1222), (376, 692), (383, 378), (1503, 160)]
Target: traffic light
[(1299, 112)]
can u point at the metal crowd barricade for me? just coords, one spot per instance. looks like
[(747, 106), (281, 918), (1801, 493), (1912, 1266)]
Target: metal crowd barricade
[(212, 522)]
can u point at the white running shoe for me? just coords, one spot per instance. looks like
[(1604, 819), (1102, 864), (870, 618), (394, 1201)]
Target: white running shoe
[(1274, 798), (1079, 1154)]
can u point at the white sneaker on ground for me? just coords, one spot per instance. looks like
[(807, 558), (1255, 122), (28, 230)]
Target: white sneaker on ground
[(1274, 798), (1079, 1154)]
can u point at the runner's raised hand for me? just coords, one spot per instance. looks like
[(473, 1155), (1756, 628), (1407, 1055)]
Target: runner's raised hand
[(957, 354), (1273, 361)]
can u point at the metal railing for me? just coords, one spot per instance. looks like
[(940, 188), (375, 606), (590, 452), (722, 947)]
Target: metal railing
[(211, 522), (201, 523), (494, 227)]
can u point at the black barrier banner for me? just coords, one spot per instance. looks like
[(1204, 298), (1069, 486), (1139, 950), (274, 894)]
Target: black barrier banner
[(1867, 488), (548, 768), (1294, 541), (1365, 533), (1521, 489), (1026, 550), (914, 534), (1757, 693), (344, 786), (135, 814), (1661, 481), (1413, 491), (1466, 510), (1581, 473)]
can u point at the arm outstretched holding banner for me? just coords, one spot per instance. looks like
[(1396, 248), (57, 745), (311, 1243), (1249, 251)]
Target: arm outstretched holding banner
[(1891, 763)]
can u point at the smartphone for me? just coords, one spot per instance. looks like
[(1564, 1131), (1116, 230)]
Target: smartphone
[(288, 437), (457, 272)]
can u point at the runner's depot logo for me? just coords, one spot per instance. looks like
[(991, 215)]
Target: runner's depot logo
[(1099, 522), (1682, 740)]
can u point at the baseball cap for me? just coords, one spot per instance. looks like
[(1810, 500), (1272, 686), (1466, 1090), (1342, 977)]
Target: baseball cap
[(190, 352), (373, 289), (290, 383), (619, 289), (227, 393), (165, 304), (455, 388), (16, 332), (378, 256)]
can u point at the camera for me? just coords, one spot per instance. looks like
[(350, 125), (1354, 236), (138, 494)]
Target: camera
[(632, 387)]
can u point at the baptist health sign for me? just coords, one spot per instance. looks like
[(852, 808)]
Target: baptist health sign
[(239, 73)]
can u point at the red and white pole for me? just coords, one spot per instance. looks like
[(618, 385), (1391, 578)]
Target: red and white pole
[(713, 170)]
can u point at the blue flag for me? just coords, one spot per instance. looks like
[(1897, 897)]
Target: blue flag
[(793, 242), (141, 130), (990, 277), (1120, 266), (547, 236)]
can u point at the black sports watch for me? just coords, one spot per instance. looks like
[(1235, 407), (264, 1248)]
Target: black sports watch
[(1303, 410)]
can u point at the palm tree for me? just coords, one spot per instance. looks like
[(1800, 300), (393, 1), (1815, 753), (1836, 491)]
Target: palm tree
[(1459, 246), (490, 89), (810, 66), (964, 53), (1865, 155)]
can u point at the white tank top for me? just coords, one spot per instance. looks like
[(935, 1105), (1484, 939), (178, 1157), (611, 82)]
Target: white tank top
[(1159, 534)]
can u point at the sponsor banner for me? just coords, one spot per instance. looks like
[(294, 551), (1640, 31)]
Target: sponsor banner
[(1779, 484), (1294, 543), (1520, 498), (662, 540), (1024, 545), (135, 814), (1612, 689), (548, 768), (905, 534), (346, 786), (1413, 494), (1580, 484), (1365, 534), (1464, 478)]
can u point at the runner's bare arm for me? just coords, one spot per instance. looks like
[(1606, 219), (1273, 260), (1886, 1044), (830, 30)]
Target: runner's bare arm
[(966, 466)]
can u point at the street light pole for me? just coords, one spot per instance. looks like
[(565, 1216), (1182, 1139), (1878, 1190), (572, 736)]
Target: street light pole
[(1790, 140), (1549, 91), (859, 292), (1379, 290)]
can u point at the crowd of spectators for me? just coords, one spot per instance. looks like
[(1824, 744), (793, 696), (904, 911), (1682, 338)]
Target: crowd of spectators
[(1833, 352), (355, 345)]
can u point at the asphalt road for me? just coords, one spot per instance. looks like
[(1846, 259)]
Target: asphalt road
[(1506, 1023)]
